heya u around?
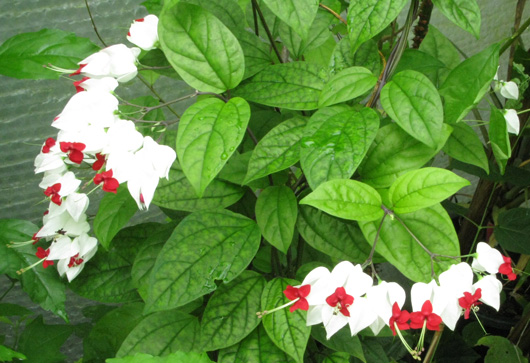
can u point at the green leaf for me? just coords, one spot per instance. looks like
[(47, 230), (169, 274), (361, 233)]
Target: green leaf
[(393, 153), (110, 331), (257, 53), (208, 134), (347, 84), (7, 309), (414, 103), (201, 48), (464, 13), (7, 355), (337, 238), (298, 14), (255, 348), (337, 357), (231, 311), (13, 230), (423, 188), (115, 211), (416, 60), (41, 343), (228, 11), (501, 350), (432, 226), (177, 357), (107, 277), (287, 330), (366, 56), (513, 230), (342, 341), (467, 83), (333, 148), (178, 194), (439, 47), (205, 247), (464, 145), (294, 86), (25, 55), (367, 18), (43, 286), (319, 33), (276, 212), (348, 199), (278, 150), (146, 257), (499, 138), (163, 333)]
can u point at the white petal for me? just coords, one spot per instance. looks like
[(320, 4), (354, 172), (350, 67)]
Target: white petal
[(76, 204), (420, 293), (314, 315), (490, 289), (510, 90), (488, 259), (332, 323), (457, 279), (60, 248), (512, 121), (357, 282), (361, 315)]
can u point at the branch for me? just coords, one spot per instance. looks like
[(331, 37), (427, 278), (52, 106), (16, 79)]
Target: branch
[(267, 30), (94, 24)]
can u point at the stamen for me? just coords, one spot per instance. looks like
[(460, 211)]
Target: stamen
[(58, 69), (261, 314), (22, 270)]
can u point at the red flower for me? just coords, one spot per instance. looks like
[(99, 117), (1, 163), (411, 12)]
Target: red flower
[(50, 142), (399, 318), (75, 261), (79, 70), (469, 301), (42, 253), (98, 164), (53, 192), (74, 150), (110, 184), (418, 318), (299, 293), (506, 268), (341, 300), (77, 84)]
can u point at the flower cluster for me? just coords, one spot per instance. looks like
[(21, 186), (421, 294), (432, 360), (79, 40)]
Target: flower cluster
[(509, 90), (92, 136), (347, 296)]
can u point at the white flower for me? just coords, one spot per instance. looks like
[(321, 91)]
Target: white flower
[(456, 285), (105, 84), (116, 61), (87, 108), (488, 259), (59, 222), (144, 32), (72, 255), (161, 156), (346, 305), (509, 90), (512, 121), (382, 297)]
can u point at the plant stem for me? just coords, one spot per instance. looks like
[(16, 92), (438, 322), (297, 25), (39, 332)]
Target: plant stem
[(13, 282), (157, 95), (334, 13), (515, 36), (434, 344), (396, 53), (372, 251), (267, 30), (94, 24)]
